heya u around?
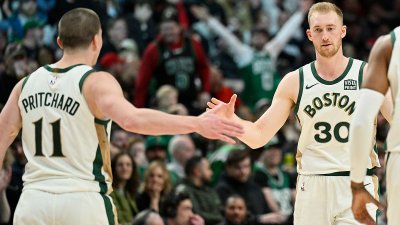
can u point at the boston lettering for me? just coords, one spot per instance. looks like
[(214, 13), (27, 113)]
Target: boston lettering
[(330, 99)]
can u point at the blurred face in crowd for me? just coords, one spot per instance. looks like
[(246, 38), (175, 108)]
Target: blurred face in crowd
[(272, 157), (118, 32), (137, 150), (326, 33), (120, 139), (240, 171), (156, 180), (143, 12), (124, 167), (156, 153), (170, 30), (28, 7), (206, 172), (185, 148), (235, 210), (258, 40), (184, 212)]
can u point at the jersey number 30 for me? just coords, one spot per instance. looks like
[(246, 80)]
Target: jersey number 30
[(325, 134), (57, 150)]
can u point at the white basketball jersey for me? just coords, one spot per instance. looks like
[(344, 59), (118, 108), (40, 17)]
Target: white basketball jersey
[(393, 140), (324, 110), (66, 146)]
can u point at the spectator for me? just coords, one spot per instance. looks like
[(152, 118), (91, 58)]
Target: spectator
[(148, 217), (16, 67), (120, 139), (167, 101), (5, 178), (204, 199), (177, 59), (117, 31), (257, 63), (236, 212), (156, 186), (14, 189), (137, 151), (178, 210), (181, 148), (277, 186), (141, 27), (156, 148), (125, 185), (237, 180)]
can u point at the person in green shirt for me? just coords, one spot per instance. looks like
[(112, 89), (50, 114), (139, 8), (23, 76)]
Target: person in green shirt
[(125, 185)]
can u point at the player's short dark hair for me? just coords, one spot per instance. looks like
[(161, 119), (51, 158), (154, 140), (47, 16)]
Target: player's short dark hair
[(237, 156), (78, 27)]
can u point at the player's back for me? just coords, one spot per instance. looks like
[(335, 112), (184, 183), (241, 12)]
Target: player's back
[(324, 109), (393, 141), (67, 148)]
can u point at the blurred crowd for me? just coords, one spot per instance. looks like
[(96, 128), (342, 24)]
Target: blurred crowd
[(174, 55)]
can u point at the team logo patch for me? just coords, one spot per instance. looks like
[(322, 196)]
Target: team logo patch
[(350, 84)]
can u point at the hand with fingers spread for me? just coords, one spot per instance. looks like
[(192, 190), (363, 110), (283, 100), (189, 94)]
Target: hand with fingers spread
[(361, 197), (215, 122), (225, 110)]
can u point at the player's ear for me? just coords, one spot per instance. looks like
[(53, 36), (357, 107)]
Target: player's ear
[(96, 42), (343, 31), (59, 43), (308, 32)]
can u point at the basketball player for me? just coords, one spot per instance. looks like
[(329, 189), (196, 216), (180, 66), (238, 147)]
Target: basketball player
[(65, 111), (323, 95), (383, 70)]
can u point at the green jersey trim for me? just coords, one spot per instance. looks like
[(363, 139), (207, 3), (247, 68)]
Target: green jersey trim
[(393, 37), (330, 82), (83, 78), (24, 82), (100, 121), (60, 70), (360, 74), (109, 209), (98, 176), (301, 84)]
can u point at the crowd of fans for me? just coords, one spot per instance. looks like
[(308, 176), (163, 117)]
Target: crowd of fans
[(173, 55)]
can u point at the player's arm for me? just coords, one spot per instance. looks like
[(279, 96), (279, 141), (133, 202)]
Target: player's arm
[(371, 98), (292, 25), (372, 94), (10, 121), (258, 133), (106, 100), (387, 105)]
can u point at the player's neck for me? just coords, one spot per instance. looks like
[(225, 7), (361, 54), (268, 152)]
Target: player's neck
[(330, 68), (73, 58)]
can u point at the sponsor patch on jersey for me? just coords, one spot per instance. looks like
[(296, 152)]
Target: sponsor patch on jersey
[(350, 84)]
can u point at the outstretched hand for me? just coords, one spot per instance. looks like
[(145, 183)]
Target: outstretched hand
[(216, 121), (225, 110), (361, 197)]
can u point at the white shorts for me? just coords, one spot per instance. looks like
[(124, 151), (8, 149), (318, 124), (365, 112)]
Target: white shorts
[(43, 208), (326, 200), (393, 187)]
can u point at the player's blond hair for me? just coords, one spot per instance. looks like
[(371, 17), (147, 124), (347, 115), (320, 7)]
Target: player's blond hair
[(324, 7)]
